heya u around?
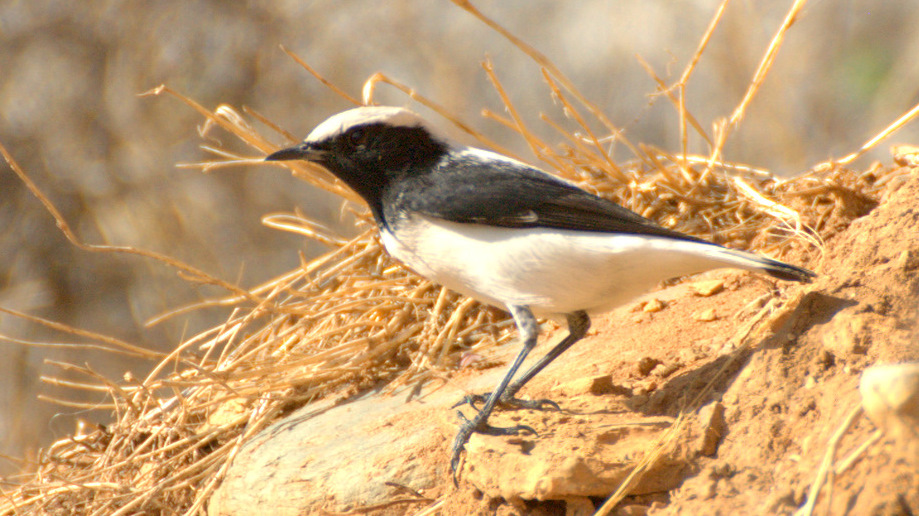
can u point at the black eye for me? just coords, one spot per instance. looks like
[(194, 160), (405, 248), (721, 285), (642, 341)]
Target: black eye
[(356, 137)]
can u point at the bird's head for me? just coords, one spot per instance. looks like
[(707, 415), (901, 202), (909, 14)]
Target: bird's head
[(368, 147)]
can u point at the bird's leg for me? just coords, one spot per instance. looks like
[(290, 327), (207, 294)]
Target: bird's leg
[(578, 324), (529, 332)]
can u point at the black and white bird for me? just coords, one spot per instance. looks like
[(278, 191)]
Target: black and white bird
[(505, 233)]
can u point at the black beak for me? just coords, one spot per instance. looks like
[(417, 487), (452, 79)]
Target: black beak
[(302, 151)]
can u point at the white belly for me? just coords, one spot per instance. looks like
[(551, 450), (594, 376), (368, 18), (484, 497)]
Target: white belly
[(550, 271)]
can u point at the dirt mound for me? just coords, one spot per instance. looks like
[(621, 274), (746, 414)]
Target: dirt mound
[(786, 397), (798, 388), (732, 397)]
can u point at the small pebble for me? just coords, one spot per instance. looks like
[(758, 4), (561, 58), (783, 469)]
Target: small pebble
[(664, 370), (707, 288), (654, 305), (646, 365), (706, 315)]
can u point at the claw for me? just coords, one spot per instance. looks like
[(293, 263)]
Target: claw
[(508, 430), (551, 404), (468, 427), (541, 404), (458, 445), (487, 429), (532, 404), (471, 400)]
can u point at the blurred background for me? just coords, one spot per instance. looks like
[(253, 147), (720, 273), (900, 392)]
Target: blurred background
[(71, 72)]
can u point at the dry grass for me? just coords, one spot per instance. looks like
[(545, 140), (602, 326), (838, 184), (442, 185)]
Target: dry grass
[(354, 318)]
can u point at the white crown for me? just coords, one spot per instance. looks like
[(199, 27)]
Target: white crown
[(393, 116)]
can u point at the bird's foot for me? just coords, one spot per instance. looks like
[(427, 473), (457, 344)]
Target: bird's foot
[(472, 426), (540, 404)]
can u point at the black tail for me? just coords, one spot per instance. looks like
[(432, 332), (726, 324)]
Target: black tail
[(757, 262), (787, 272)]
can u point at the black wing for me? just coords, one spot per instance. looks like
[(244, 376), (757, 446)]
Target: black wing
[(509, 194)]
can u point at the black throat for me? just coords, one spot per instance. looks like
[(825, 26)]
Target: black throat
[(383, 161)]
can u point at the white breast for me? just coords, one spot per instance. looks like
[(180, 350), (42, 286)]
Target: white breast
[(551, 271)]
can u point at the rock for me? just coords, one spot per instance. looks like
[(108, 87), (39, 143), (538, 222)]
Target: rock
[(849, 333), (706, 288), (332, 458), (706, 315), (632, 510), (574, 459), (714, 427), (579, 506), (337, 456), (596, 385), (905, 155), (654, 305), (890, 397), (665, 370), (646, 365), (907, 260)]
